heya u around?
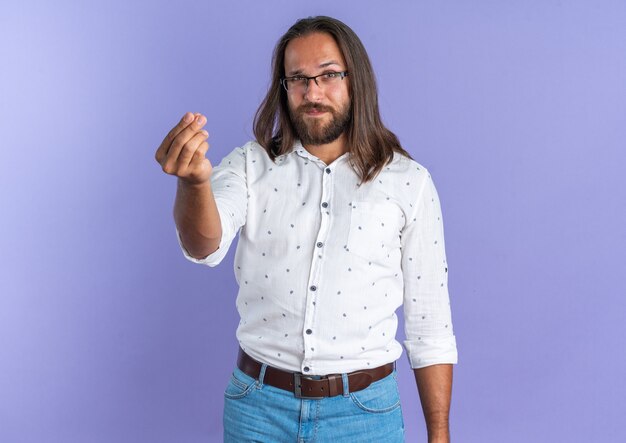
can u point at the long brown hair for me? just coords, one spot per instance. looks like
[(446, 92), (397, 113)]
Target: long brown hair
[(370, 143)]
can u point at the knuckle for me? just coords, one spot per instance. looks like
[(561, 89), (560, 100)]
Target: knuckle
[(188, 149), (168, 169)]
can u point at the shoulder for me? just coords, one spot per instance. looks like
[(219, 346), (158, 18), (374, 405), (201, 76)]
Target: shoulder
[(255, 157), (253, 149), (245, 151), (249, 148), (252, 146), (408, 168)]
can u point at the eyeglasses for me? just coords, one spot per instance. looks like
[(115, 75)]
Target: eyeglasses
[(300, 83)]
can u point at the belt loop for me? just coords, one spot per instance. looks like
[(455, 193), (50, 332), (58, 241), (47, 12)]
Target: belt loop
[(346, 387), (262, 374)]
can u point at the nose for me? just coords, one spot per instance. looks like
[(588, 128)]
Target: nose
[(313, 90)]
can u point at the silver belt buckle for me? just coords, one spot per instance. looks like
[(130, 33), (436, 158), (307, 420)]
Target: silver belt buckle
[(297, 377)]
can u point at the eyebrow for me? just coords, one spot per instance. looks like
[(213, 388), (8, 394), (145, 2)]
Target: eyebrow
[(323, 65)]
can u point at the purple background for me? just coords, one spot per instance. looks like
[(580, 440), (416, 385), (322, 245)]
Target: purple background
[(518, 109)]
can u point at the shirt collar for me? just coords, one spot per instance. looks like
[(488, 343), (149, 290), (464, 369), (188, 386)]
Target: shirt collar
[(299, 149)]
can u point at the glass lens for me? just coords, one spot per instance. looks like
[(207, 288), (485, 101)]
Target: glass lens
[(295, 84), (329, 79), (299, 84)]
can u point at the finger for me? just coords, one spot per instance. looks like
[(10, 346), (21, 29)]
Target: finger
[(172, 162), (198, 163), (185, 121), (184, 136), (201, 151), (188, 150), (203, 148), (199, 156), (196, 166)]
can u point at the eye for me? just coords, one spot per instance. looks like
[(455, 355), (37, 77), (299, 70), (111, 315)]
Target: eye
[(330, 75), (296, 79)]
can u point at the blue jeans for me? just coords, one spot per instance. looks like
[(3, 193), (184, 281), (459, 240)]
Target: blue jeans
[(256, 412)]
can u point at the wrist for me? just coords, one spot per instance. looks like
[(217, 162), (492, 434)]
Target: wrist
[(442, 437), (191, 185), (438, 433)]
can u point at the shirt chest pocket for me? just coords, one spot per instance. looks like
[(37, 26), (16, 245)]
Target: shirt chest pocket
[(373, 229)]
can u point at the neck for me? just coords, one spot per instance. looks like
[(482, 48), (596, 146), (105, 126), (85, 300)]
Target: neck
[(329, 152)]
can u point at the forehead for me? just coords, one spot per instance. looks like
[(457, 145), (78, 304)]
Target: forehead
[(311, 52)]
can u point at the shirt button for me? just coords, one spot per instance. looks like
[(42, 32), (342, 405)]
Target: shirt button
[(313, 288), (328, 170), (306, 369), (308, 331), (324, 205), (320, 244)]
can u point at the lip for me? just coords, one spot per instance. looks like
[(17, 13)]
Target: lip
[(315, 112)]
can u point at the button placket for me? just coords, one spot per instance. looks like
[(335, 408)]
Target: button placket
[(309, 336)]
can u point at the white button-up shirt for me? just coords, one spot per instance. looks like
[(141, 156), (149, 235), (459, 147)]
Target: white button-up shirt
[(322, 262)]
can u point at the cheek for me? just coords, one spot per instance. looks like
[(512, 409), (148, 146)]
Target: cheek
[(293, 102), (340, 97)]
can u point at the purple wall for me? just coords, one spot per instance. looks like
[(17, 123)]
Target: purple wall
[(519, 110)]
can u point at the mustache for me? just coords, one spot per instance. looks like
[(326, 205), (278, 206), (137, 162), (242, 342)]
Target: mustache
[(313, 106)]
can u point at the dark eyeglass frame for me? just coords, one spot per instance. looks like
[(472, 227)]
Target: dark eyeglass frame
[(283, 81)]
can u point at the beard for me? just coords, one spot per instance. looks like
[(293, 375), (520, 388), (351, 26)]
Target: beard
[(316, 131)]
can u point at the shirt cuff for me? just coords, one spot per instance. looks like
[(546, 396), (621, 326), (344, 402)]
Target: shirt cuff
[(216, 256), (429, 351)]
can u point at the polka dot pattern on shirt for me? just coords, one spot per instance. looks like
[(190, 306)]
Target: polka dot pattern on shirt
[(381, 252)]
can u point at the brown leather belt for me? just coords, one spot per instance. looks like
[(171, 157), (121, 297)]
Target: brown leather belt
[(303, 386)]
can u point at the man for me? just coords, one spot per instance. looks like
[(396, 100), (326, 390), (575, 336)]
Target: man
[(338, 226)]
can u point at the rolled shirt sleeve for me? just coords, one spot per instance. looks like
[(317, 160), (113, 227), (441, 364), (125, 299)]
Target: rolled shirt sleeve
[(228, 183), (427, 316)]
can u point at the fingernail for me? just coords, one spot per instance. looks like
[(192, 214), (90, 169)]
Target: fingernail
[(187, 118), (200, 119)]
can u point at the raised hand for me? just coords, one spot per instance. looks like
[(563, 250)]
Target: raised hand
[(182, 152)]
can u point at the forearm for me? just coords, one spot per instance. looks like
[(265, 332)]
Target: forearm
[(197, 218), (434, 384)]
